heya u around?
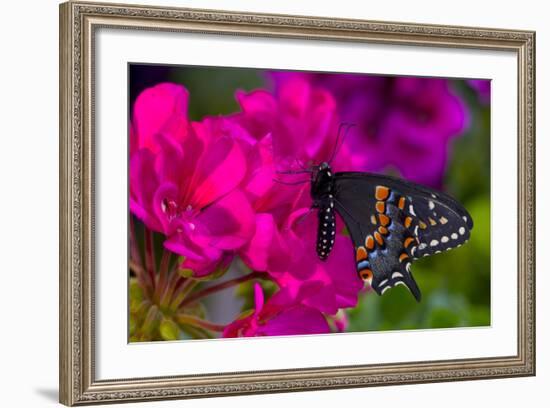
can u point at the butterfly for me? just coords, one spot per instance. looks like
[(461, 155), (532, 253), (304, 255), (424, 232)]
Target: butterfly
[(392, 222)]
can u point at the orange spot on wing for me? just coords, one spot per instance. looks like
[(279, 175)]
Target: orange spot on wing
[(401, 204), (378, 238), (366, 274), (380, 207), (381, 192), (361, 254), (403, 256), (369, 242), (408, 242), (383, 230), (384, 219), (408, 222)]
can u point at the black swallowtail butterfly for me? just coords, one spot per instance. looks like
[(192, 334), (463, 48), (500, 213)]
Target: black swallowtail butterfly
[(392, 222)]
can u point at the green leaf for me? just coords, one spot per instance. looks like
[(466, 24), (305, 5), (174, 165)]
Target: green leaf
[(169, 330)]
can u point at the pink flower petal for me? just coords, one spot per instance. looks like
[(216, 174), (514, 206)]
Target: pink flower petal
[(258, 298), (297, 320), (259, 112), (160, 109), (226, 224), (266, 250), (143, 184), (221, 168)]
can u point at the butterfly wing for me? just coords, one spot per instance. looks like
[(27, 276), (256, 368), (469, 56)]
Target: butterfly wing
[(393, 222)]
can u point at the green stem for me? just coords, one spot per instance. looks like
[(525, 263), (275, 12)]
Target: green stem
[(181, 293), (173, 279), (163, 273), (150, 256), (190, 320), (220, 286), (136, 263)]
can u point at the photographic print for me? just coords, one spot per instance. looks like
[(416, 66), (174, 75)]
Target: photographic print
[(230, 228), (277, 203)]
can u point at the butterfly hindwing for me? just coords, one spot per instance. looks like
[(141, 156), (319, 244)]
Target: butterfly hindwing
[(393, 222)]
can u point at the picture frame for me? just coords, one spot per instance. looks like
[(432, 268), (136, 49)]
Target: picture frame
[(79, 24)]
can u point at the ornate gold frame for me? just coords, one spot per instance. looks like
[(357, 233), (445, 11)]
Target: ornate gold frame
[(78, 22)]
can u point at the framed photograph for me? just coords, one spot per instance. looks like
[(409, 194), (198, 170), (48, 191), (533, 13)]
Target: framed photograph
[(256, 203)]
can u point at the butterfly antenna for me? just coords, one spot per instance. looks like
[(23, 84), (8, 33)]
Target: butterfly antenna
[(293, 183), (303, 169), (303, 166), (338, 144), (292, 171)]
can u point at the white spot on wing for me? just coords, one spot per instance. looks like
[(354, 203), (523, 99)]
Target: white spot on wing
[(461, 230), (401, 283), (431, 205), (422, 246), (454, 235), (444, 239), (434, 242), (396, 275)]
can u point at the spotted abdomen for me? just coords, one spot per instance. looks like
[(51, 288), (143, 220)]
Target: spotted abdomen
[(326, 231)]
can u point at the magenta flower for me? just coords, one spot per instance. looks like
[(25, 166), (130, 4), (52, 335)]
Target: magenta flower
[(326, 285), (483, 89), (404, 123), (293, 124), (301, 119), (187, 186), (278, 317)]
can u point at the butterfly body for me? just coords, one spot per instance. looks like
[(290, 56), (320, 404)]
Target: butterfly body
[(322, 193), (391, 222)]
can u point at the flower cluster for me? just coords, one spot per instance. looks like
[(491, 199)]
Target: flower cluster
[(404, 123), (213, 191)]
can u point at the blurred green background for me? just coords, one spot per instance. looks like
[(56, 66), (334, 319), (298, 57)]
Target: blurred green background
[(455, 285)]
